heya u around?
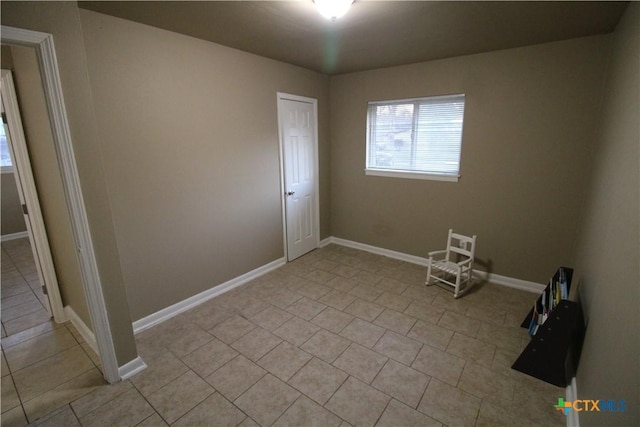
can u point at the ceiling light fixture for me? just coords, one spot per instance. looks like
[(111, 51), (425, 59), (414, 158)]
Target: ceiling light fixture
[(333, 9)]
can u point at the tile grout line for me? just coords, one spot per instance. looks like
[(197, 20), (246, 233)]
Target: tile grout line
[(146, 400)]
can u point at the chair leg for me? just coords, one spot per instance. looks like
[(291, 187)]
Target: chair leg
[(428, 278), (456, 294)]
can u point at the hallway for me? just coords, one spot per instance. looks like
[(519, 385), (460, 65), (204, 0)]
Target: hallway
[(38, 355), (23, 303)]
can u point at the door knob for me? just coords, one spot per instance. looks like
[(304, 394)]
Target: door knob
[(290, 193)]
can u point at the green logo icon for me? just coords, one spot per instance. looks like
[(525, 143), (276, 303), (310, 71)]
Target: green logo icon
[(563, 406)]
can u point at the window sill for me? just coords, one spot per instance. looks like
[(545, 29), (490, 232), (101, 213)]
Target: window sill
[(390, 173)]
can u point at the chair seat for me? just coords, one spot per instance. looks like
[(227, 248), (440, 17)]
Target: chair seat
[(447, 266)]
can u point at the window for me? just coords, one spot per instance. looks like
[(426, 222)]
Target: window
[(5, 156), (415, 138)]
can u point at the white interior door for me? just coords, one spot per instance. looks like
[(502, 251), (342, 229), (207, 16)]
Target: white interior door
[(298, 135)]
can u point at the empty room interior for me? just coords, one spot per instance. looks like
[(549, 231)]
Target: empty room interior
[(209, 271)]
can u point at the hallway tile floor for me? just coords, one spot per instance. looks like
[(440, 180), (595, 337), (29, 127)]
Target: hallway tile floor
[(23, 303), (338, 337)]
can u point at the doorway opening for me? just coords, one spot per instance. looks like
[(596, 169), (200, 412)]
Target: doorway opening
[(30, 256), (83, 244)]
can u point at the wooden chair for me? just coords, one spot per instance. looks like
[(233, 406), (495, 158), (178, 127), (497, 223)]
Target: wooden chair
[(453, 266)]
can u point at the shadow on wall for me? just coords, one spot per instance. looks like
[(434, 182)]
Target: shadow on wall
[(485, 265)]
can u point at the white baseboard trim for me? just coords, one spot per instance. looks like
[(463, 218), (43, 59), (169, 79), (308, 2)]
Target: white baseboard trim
[(191, 302), (377, 250), (131, 368), (125, 371), (490, 277), (82, 328), (14, 236), (510, 282), (571, 395)]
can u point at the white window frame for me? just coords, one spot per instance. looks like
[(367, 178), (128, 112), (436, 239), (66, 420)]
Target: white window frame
[(406, 173)]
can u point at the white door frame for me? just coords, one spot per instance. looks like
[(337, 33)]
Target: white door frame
[(29, 197), (43, 44), (283, 197)]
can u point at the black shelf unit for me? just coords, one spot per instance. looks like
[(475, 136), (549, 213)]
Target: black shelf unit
[(568, 272), (554, 351)]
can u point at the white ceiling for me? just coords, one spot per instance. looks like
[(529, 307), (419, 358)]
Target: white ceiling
[(373, 34)]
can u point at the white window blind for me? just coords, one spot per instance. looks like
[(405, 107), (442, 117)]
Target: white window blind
[(416, 138)]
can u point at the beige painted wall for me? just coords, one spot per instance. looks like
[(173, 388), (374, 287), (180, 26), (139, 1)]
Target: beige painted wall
[(530, 122), (61, 19), (5, 57), (12, 219), (609, 243), (189, 134), (44, 164)]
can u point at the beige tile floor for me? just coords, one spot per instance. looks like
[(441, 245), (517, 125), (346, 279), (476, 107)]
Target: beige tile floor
[(337, 337), (23, 303)]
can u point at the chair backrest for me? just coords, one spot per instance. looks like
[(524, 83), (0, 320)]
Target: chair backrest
[(461, 245)]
